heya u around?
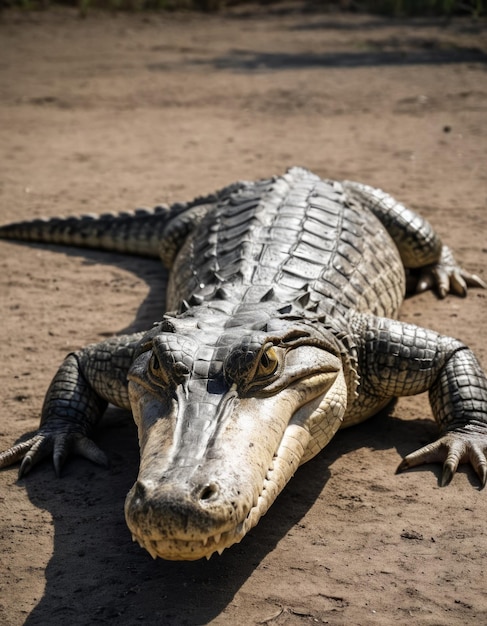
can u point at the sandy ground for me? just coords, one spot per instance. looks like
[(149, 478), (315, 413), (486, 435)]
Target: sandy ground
[(114, 112)]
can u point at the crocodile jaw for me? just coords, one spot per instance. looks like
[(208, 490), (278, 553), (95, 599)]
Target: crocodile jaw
[(283, 466), (291, 421)]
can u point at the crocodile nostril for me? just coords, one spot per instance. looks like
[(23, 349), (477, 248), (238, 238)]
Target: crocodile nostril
[(140, 490), (208, 492)]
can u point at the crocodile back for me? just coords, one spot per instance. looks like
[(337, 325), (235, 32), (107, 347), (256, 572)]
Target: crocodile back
[(293, 238)]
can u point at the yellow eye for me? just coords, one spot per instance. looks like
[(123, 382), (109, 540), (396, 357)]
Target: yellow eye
[(154, 364), (268, 363), (159, 376)]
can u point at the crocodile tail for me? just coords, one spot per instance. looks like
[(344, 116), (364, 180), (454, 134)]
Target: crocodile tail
[(138, 232)]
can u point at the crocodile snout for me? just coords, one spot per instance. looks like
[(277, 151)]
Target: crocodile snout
[(180, 517)]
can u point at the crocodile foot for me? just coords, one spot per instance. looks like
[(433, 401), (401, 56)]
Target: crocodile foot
[(60, 444), (468, 444), (447, 276)]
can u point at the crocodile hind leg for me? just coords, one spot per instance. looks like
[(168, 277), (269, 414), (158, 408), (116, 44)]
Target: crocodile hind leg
[(398, 359), (431, 264), (446, 276), (76, 399)]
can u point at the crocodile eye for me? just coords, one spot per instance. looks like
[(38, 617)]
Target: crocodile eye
[(157, 373), (268, 363), (154, 363)]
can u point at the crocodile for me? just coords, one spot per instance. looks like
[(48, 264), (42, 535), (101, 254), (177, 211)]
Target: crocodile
[(281, 327)]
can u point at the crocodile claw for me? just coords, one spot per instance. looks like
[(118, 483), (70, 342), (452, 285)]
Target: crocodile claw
[(447, 277), (40, 448), (61, 445), (451, 450)]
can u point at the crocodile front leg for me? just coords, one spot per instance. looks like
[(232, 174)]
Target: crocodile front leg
[(76, 399), (458, 399), (398, 359)]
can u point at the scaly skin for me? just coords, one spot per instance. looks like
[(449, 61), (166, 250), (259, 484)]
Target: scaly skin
[(280, 329)]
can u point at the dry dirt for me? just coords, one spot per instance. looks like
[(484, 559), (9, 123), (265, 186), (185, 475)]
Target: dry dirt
[(119, 111)]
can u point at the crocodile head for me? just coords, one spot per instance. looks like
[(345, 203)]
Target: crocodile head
[(224, 420)]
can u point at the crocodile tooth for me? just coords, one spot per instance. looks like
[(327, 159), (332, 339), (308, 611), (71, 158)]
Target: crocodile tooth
[(220, 550), (217, 538), (151, 549), (269, 472), (205, 541), (208, 556), (134, 538)]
